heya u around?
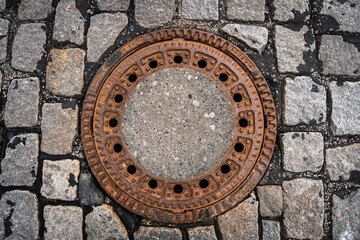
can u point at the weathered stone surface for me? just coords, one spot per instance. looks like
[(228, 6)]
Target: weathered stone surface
[(339, 57), (271, 200), (89, 194), (103, 223), (202, 233), (271, 230), (4, 27), (69, 23), (341, 161), (34, 9), (345, 114), (303, 208), (19, 167), (22, 105), (345, 13), (294, 10), (241, 222), (104, 28), (58, 127), (246, 10), (2, 5), (113, 5), (19, 215), (185, 118), (153, 13), (63, 222), (291, 47), (154, 233), (254, 36), (302, 151), (60, 179), (65, 71), (200, 10), (345, 216), (305, 101), (28, 47)]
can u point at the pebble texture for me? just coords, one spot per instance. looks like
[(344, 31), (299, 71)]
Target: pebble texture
[(65, 71), (271, 200), (345, 216), (254, 36), (34, 9), (63, 222), (302, 151), (198, 10), (246, 10), (58, 127), (153, 13), (341, 161), (305, 101), (28, 47), (186, 116), (19, 215), (103, 223), (104, 28), (339, 57), (19, 167), (113, 5), (290, 49), (155, 233), (241, 222), (89, 192), (60, 179), (22, 105), (345, 13), (345, 115), (202, 233), (293, 10), (271, 230), (303, 208), (69, 23), (4, 27)]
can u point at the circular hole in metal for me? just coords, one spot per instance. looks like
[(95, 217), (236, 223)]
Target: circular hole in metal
[(133, 77), (237, 97), (113, 122), (118, 98), (204, 183), (153, 183), (178, 188), (223, 77), (225, 168), (243, 122), (239, 147), (117, 147), (153, 64), (202, 64), (131, 169), (178, 59)]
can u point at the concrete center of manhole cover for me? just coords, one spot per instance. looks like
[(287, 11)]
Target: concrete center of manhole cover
[(178, 123)]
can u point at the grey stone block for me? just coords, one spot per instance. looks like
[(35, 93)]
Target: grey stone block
[(200, 10), (154, 13)]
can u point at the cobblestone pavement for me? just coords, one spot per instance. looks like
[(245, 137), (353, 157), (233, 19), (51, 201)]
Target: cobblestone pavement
[(309, 52)]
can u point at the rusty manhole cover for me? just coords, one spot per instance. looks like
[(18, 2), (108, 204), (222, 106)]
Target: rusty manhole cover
[(175, 199)]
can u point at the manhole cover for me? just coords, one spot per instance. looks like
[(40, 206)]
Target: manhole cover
[(194, 164)]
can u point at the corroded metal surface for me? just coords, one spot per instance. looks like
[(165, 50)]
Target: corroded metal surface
[(236, 173)]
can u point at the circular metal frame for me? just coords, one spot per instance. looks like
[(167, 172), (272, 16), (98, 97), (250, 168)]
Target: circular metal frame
[(201, 197)]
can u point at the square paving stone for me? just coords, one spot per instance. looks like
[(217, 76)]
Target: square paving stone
[(65, 71), (202, 233), (63, 222), (271, 200), (113, 5), (246, 10), (345, 115), (153, 13), (291, 10), (34, 9), (20, 165), (22, 105), (59, 127), (2, 5), (305, 101), (271, 230), (201, 9), (162, 233), (60, 179), (4, 28), (302, 151)]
